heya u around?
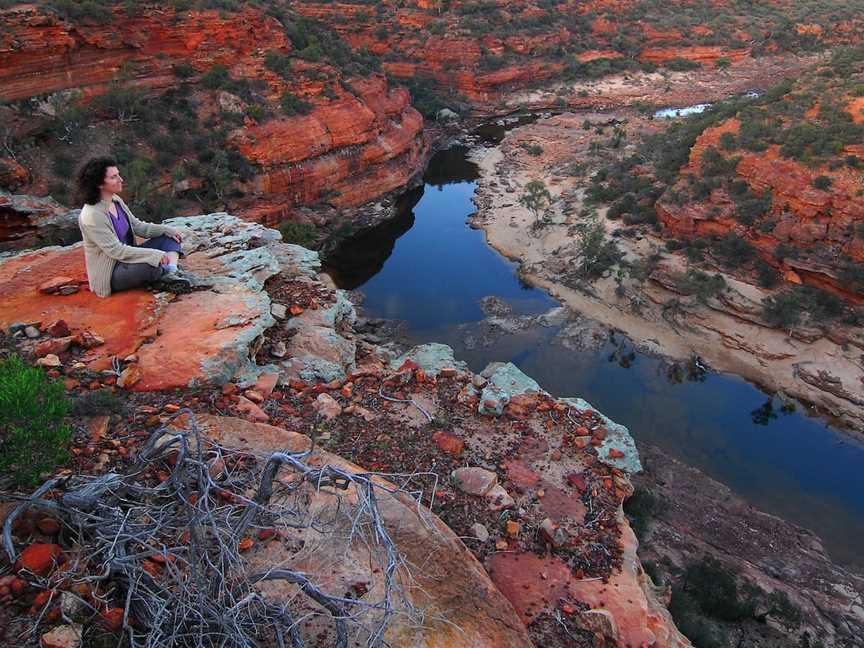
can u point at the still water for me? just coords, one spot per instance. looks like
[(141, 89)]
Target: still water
[(428, 268)]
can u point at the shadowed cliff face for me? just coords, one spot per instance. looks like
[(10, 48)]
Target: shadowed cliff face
[(204, 106)]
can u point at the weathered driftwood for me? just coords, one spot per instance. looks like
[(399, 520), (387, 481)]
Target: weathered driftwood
[(190, 526)]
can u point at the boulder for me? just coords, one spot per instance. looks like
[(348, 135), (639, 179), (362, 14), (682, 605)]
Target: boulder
[(204, 337), (504, 380), (31, 222), (432, 358), (64, 636), (461, 607), (474, 480), (617, 448), (39, 558), (327, 407)]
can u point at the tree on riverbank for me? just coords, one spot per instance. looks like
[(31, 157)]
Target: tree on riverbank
[(537, 200)]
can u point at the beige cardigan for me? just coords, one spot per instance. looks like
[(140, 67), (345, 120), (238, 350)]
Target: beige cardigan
[(102, 248)]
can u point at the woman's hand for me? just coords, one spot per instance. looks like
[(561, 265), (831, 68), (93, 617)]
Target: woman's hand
[(177, 235), (166, 260)]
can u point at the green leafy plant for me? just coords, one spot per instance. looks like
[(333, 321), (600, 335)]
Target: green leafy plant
[(291, 104), (700, 284), (298, 233), (33, 434), (536, 199), (597, 254), (822, 182)]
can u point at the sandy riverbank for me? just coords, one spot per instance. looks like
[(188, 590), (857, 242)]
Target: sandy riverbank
[(726, 334)]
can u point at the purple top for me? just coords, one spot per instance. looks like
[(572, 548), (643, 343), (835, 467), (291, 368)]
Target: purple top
[(121, 223)]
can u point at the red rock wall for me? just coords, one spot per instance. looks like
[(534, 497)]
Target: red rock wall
[(350, 151), (41, 54), (822, 225), (351, 148)]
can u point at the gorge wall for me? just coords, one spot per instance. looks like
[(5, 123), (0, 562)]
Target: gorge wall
[(786, 178), (343, 134)]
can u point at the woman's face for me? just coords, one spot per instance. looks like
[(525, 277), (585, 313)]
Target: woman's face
[(113, 182)]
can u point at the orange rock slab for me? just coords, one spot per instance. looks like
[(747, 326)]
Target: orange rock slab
[(193, 339), (123, 320)]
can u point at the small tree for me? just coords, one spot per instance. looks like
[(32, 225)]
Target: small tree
[(597, 255), (536, 199)]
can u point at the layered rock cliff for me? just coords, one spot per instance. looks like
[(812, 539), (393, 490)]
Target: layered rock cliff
[(786, 178), (298, 129), (480, 51)]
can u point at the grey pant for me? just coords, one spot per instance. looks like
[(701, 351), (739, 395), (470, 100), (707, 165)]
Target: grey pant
[(134, 275)]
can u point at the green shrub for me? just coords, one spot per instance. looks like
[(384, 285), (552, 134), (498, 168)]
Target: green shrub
[(98, 402), (786, 309), (822, 182), (681, 64), (278, 63), (700, 285), (293, 105), (690, 621), (437, 27), (641, 508), (216, 77), (852, 275), (33, 433), (64, 165), (766, 275), (715, 589), (732, 250), (728, 142), (786, 251), (183, 70), (298, 233), (532, 149), (749, 206), (123, 104), (714, 164)]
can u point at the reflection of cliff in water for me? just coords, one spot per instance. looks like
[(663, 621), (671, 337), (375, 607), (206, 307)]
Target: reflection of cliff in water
[(449, 166), (361, 257)]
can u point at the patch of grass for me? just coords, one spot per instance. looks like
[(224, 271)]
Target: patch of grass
[(682, 65), (732, 250), (291, 104), (532, 149), (822, 182), (33, 433)]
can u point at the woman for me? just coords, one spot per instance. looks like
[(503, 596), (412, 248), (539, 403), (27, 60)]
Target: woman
[(114, 261)]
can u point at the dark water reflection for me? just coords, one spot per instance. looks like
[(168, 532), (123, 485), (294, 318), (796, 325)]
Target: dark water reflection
[(429, 269)]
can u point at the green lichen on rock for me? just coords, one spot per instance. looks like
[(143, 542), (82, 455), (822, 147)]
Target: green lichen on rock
[(431, 358)]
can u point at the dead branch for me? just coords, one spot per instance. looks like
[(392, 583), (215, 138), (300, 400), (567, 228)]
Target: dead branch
[(167, 547)]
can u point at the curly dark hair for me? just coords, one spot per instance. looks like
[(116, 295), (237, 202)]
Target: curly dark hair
[(91, 177)]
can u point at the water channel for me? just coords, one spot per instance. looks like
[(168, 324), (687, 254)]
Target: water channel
[(428, 268)]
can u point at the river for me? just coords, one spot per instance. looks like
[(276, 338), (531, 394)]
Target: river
[(428, 268)]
